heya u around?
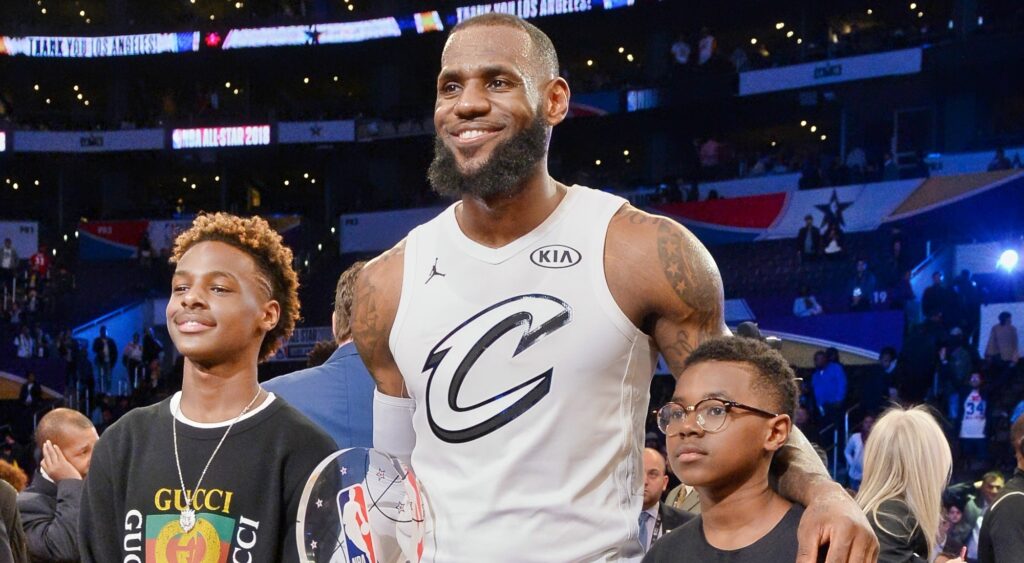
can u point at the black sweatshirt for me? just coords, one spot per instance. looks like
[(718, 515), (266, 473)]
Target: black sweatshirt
[(247, 503)]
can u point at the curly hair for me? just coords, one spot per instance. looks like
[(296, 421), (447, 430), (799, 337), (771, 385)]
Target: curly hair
[(775, 379), (255, 237)]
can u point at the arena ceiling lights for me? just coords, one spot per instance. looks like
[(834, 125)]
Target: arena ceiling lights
[(296, 35)]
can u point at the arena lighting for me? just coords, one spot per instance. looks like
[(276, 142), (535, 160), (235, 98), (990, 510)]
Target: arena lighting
[(333, 230), (629, 58), (803, 123), (216, 178), (920, 14), (286, 182), (869, 11), (789, 33), (780, 25), (36, 87), (625, 152), (597, 162), (799, 41), (3, 141), (622, 50), (1007, 260), (753, 40), (913, 6), (814, 128), (213, 137)]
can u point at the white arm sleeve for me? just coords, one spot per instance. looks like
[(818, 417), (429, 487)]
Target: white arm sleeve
[(392, 425)]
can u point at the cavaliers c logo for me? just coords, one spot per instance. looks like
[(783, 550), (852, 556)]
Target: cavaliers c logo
[(490, 338)]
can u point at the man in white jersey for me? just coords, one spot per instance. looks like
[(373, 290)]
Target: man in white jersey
[(513, 338)]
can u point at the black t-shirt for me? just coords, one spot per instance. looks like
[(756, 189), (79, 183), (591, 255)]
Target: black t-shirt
[(688, 544), (245, 509)]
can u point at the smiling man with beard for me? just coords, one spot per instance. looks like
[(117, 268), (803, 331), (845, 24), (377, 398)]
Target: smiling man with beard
[(513, 338), (215, 472)]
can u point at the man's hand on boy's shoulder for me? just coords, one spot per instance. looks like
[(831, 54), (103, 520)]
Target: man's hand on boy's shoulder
[(835, 520)]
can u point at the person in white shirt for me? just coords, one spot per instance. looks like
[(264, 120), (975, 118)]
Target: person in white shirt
[(855, 452), (973, 440)]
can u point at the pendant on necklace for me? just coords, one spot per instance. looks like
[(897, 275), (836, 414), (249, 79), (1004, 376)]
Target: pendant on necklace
[(187, 520)]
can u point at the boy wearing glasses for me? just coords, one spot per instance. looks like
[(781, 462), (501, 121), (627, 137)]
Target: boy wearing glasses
[(731, 411)]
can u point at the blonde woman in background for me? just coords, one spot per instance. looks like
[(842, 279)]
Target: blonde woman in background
[(906, 467)]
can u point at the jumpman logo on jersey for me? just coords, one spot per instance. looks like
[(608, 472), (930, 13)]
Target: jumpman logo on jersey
[(433, 272)]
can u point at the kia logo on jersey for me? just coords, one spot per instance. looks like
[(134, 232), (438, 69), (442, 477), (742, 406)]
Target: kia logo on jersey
[(556, 256), (464, 403)]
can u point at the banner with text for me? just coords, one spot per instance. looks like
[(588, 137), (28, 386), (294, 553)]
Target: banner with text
[(906, 61)]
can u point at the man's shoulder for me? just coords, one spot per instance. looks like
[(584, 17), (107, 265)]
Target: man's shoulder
[(290, 421)]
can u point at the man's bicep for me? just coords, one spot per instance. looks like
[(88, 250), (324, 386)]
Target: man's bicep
[(690, 296)]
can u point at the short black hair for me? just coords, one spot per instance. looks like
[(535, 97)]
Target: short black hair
[(540, 44), (774, 376), (1004, 316)]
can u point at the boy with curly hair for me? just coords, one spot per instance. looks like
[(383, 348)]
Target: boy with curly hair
[(215, 472)]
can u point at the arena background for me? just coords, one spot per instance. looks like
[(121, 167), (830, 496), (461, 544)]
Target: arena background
[(881, 121)]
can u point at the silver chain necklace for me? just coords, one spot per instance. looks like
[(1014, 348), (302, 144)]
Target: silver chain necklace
[(187, 520)]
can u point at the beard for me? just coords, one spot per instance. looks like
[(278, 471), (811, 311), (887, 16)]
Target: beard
[(501, 175)]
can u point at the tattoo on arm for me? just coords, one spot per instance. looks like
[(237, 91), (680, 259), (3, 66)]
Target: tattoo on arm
[(370, 327), (690, 270)]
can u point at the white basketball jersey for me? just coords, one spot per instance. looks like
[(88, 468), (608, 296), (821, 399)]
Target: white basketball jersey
[(531, 389)]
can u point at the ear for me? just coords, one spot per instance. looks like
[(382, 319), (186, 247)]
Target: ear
[(556, 101), (270, 315), (334, 323), (777, 434)]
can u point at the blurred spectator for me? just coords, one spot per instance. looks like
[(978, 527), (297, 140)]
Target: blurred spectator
[(855, 451), (919, 358), (707, 46), (970, 304), (31, 394), (104, 351), (8, 265), (956, 365), (67, 349), (739, 59), (131, 357), (829, 382), (977, 506), (711, 158), (24, 344), (681, 50), (954, 530), (856, 164), (999, 162), (861, 288), (808, 240), (876, 381), (1002, 341), (39, 268), (973, 435), (938, 299), (806, 305), (151, 347), (906, 466)]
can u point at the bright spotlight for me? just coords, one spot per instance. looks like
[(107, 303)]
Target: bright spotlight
[(1008, 260)]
